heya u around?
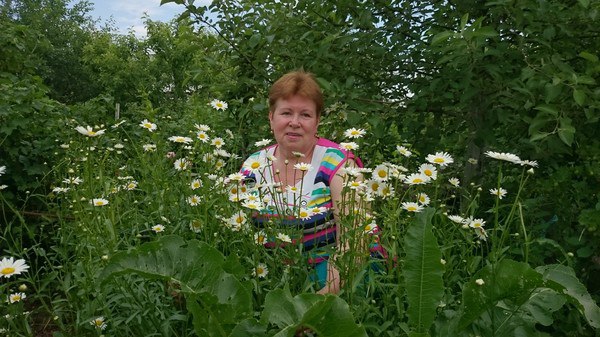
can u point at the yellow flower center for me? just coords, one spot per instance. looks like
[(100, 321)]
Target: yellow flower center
[(255, 165), (382, 174), (439, 160), (417, 180), (428, 173), (7, 271), (375, 187), (412, 208), (99, 203)]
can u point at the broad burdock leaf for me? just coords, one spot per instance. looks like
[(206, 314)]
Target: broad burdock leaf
[(216, 298), (423, 272), (563, 280), (326, 316)]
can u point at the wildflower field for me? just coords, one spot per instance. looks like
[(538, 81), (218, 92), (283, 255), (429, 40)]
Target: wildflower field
[(124, 210)]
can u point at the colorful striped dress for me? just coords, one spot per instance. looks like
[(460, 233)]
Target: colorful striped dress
[(310, 193)]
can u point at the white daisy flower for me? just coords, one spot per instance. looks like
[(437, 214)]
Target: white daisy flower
[(98, 323), (203, 136), (158, 228), (73, 181), (2, 170), (260, 238), (354, 184), (349, 146), (149, 147), (195, 184), (381, 172), (476, 223), (423, 199), (531, 163), (236, 177), (304, 167), (218, 142), (60, 189), (481, 233), (284, 238), (386, 190), (253, 205), (202, 127), (130, 186), (403, 151), (412, 207), (262, 143), (428, 170), (479, 282), (305, 213), (180, 139), (255, 164), (371, 228), (9, 267), (16, 297), (509, 157), (354, 133), (88, 131), (218, 105), (260, 270), (499, 192), (99, 202), (238, 219), (196, 226), (181, 164), (454, 182), (440, 158), (373, 186), (457, 219), (193, 200), (148, 125), (416, 179)]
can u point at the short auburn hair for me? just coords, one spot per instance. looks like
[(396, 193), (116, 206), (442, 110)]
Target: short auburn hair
[(296, 83)]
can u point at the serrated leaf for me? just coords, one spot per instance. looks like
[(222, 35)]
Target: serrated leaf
[(422, 272), (563, 280)]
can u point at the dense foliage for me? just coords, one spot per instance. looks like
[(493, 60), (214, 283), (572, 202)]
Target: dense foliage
[(464, 77)]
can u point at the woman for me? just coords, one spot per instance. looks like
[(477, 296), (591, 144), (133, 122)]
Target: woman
[(304, 168)]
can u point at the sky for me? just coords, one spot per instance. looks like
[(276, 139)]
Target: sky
[(128, 13)]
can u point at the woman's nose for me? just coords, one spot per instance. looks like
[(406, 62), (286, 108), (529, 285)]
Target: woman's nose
[(295, 120)]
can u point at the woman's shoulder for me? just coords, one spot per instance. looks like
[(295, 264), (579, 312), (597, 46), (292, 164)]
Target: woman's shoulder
[(334, 154)]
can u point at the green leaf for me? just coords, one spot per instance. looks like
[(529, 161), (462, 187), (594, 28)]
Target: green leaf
[(566, 132), (563, 280), (539, 135), (249, 328), (422, 272), (579, 96), (589, 56), (441, 37), (506, 280), (327, 316), (547, 108), (217, 299)]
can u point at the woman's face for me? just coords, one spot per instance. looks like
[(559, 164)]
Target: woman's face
[(294, 122)]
